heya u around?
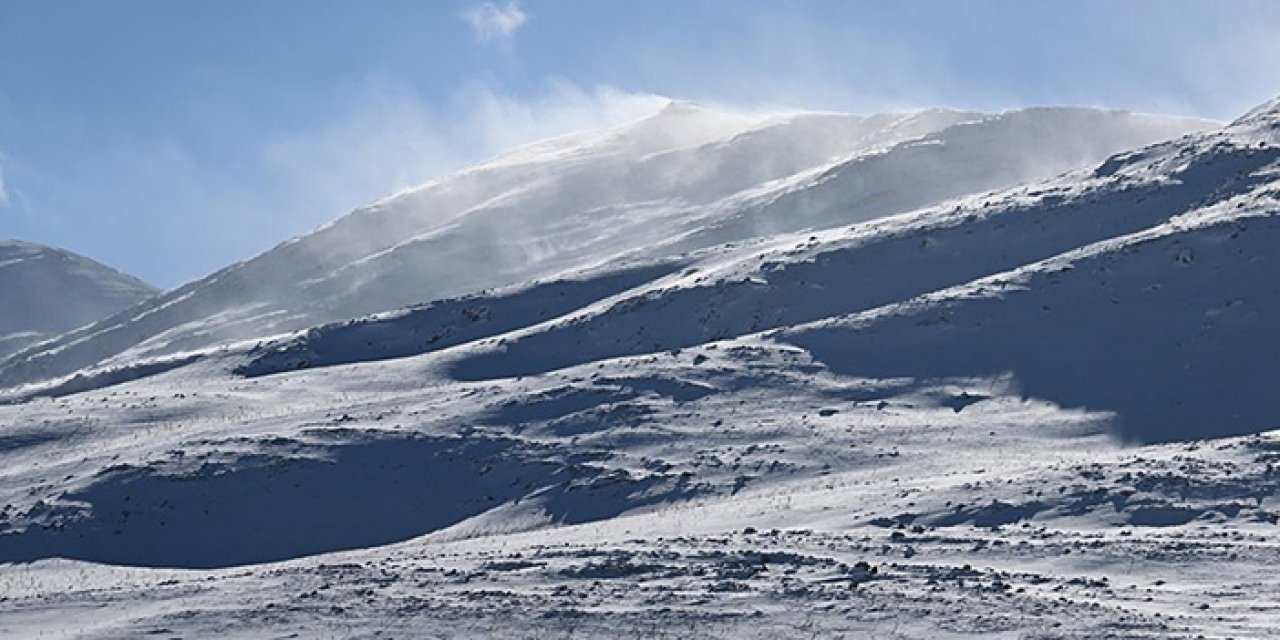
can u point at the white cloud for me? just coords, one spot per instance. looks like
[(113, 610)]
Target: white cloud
[(492, 23), (4, 195)]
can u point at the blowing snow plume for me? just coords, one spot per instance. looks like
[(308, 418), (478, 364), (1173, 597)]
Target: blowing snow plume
[(682, 179)]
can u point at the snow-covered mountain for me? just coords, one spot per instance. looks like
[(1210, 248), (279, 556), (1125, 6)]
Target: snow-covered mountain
[(1150, 267), (1043, 410), (686, 178), (45, 292)]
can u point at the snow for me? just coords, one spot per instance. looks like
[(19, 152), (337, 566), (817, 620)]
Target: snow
[(1042, 410), (50, 291), (688, 177)]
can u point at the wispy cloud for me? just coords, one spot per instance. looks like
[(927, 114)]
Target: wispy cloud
[(492, 23), (4, 195), (389, 138), (384, 138), (497, 120)]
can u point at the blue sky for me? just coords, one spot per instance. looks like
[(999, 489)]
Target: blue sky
[(168, 138)]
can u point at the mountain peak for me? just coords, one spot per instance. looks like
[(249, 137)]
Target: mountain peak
[(1267, 111), (681, 107), (681, 123)]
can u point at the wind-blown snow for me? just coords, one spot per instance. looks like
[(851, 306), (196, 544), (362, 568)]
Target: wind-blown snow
[(686, 178), (1039, 411)]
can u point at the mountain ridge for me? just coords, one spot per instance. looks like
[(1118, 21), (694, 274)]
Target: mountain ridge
[(503, 223)]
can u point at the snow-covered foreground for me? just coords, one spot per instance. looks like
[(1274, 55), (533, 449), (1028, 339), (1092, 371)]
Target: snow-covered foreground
[(736, 491), (1041, 412)]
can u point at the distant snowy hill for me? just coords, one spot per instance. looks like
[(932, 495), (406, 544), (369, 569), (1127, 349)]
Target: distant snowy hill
[(686, 178), (45, 292)]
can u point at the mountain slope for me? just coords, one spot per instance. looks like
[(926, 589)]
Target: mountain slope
[(1037, 412), (685, 178), (1182, 195), (48, 291), (1169, 327)]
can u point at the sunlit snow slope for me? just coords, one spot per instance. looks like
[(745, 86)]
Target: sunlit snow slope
[(1152, 270), (686, 178), (810, 406), (45, 292)]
